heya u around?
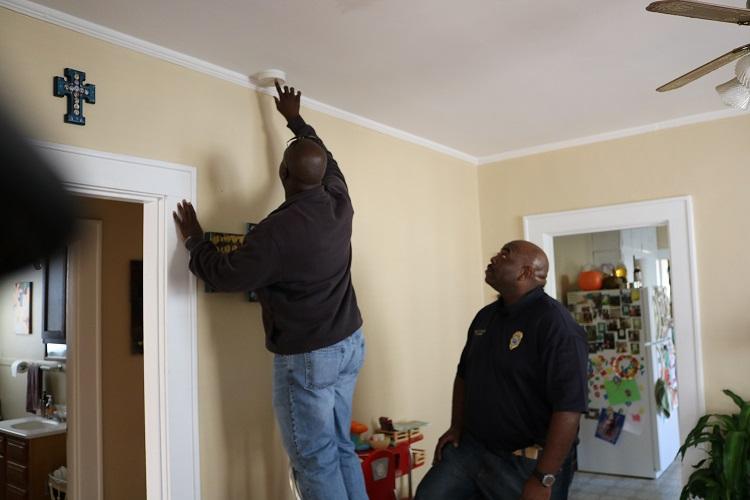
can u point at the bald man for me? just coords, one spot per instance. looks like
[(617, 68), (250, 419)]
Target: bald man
[(298, 260), (519, 391)]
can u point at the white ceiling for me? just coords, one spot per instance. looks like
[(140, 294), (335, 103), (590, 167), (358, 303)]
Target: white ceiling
[(483, 77)]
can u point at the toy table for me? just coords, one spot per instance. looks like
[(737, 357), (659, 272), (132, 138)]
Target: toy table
[(381, 468)]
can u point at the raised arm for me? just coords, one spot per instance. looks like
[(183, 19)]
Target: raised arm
[(288, 104)]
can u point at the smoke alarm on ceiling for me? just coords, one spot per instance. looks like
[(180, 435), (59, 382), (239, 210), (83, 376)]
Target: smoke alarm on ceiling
[(268, 77)]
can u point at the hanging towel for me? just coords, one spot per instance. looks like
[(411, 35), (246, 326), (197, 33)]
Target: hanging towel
[(33, 388)]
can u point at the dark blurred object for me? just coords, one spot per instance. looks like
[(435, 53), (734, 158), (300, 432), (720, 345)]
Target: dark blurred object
[(55, 297), (136, 306), (386, 424), (613, 283), (38, 214)]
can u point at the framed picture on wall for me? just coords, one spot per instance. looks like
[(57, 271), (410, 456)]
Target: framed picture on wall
[(136, 306), (229, 242), (22, 308)]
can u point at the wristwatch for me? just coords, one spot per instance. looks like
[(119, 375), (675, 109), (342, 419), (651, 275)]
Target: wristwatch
[(547, 480)]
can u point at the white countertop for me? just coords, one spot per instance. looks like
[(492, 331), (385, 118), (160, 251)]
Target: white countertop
[(32, 427)]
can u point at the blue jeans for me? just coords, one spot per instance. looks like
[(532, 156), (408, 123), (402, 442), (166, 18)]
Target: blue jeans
[(312, 399), (472, 472)]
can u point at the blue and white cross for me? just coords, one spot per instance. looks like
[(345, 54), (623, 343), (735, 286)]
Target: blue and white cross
[(73, 88)]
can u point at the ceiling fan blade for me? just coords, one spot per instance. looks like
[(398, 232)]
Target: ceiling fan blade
[(717, 63), (700, 10)]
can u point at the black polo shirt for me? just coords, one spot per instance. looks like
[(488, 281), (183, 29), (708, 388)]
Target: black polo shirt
[(298, 261), (521, 363)]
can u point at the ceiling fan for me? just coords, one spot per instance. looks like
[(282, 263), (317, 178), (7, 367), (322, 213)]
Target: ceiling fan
[(735, 92)]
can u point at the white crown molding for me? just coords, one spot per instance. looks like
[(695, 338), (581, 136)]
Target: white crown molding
[(64, 20), (79, 25), (609, 136), (378, 127)]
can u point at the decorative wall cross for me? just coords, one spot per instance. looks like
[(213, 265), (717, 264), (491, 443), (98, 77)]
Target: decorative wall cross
[(73, 88)]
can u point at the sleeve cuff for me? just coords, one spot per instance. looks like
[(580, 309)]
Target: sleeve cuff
[(193, 241), (296, 123)]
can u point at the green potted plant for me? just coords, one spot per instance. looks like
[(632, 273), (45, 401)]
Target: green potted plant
[(725, 473)]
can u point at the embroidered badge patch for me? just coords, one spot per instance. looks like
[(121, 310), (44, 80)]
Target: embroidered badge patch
[(515, 340)]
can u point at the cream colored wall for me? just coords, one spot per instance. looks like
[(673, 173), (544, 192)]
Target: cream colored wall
[(417, 266), (29, 347), (707, 161), (571, 253), (123, 429)]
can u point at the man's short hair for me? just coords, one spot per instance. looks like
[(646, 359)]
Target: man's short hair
[(294, 141), (306, 168)]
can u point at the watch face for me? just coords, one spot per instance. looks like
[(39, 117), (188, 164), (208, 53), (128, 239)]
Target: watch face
[(548, 480)]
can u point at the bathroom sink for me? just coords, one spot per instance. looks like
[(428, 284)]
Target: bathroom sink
[(31, 427), (34, 425)]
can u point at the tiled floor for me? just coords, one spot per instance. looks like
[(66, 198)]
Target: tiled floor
[(588, 486)]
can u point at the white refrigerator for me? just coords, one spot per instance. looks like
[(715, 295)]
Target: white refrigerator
[(631, 359)]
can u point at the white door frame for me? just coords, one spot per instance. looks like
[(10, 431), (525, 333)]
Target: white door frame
[(678, 214), (84, 383), (169, 306)]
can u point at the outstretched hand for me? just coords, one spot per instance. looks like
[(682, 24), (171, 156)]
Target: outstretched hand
[(187, 221), (288, 101)]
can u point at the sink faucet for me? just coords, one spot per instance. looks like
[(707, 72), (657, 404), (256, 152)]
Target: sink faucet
[(60, 414), (46, 405)]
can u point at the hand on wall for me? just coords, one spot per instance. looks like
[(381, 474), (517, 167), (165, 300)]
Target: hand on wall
[(187, 221)]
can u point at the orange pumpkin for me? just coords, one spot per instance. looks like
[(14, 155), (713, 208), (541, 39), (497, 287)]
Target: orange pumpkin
[(590, 280), (357, 427)]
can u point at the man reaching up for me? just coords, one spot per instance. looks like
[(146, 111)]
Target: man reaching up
[(298, 260)]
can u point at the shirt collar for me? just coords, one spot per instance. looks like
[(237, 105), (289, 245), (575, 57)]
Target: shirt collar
[(300, 196), (527, 299)]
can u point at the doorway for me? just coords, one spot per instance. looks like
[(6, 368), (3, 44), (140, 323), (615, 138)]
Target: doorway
[(106, 421), (169, 313), (677, 214), (616, 285)]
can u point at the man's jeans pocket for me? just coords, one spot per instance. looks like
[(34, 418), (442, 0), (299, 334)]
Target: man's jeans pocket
[(322, 367)]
